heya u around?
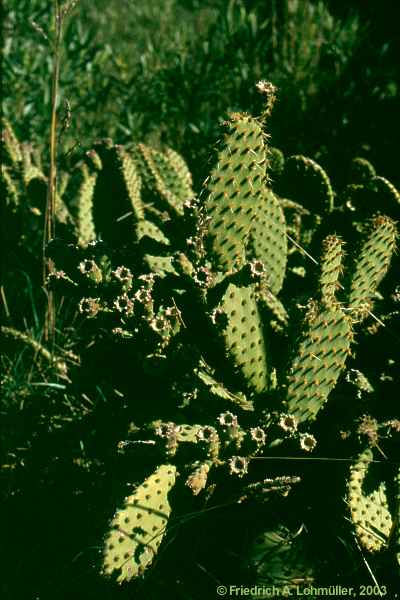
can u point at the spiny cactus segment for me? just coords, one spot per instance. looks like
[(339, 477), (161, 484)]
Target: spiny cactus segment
[(166, 177), (320, 359), (138, 528), (234, 189), (368, 503), (267, 240), (199, 293), (243, 335), (331, 269), (371, 264)]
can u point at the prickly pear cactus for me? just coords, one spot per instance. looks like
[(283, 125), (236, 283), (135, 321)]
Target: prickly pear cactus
[(138, 528), (306, 182), (267, 240), (234, 189), (368, 503), (320, 359), (80, 189), (244, 340), (331, 268), (117, 203), (166, 177), (372, 264)]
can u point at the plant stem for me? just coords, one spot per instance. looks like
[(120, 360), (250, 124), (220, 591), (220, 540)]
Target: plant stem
[(49, 227)]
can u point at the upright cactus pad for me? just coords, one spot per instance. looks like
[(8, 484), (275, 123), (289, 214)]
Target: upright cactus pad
[(268, 241), (305, 181), (367, 499), (79, 192), (331, 268), (139, 527), (234, 189), (117, 204), (166, 176), (243, 336), (320, 359), (372, 264)]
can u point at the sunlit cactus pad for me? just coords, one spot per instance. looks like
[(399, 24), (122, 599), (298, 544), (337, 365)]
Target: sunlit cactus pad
[(139, 527), (320, 359), (235, 187), (372, 263), (368, 502)]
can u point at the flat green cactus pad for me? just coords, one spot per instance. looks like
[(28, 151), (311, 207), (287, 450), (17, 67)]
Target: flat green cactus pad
[(117, 203), (148, 229), (79, 195), (331, 268), (139, 527), (367, 499), (244, 340), (165, 176), (321, 357), (233, 190), (268, 241), (372, 263)]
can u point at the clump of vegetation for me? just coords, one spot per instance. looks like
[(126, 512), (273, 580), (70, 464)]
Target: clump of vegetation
[(210, 364)]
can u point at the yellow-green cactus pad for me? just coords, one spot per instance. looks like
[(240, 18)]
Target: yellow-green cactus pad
[(368, 505), (243, 336), (138, 528), (320, 359), (234, 189)]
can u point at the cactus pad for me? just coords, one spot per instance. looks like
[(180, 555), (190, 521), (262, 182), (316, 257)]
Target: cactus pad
[(243, 336), (368, 505), (320, 359), (234, 188), (268, 241), (372, 263), (117, 203), (138, 528), (165, 175), (331, 268)]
